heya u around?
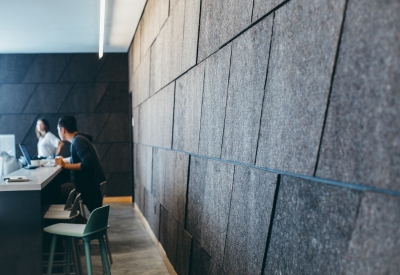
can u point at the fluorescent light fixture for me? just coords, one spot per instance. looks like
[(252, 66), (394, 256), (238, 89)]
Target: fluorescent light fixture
[(102, 22)]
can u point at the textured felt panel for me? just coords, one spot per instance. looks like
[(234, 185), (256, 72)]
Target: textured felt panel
[(136, 50), (116, 129), (157, 61), (210, 28), (156, 118), (13, 67), (209, 198), (375, 243), (83, 98), (187, 113), (117, 158), (249, 219), (175, 184), (201, 263), (115, 99), (262, 7), (246, 91), (170, 172), (141, 81), (183, 249), (91, 124), (154, 16), (152, 212), (119, 184), (47, 98), (190, 34), (168, 235), (14, 97), (214, 103), (115, 68), (136, 118), (18, 125), (143, 163), (236, 16), (361, 139), (82, 68), (159, 173), (101, 149), (174, 28), (47, 68), (312, 227), (302, 57)]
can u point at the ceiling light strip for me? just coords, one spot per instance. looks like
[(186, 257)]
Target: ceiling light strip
[(102, 22)]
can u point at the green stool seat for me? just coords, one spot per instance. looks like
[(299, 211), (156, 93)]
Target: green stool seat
[(95, 228)]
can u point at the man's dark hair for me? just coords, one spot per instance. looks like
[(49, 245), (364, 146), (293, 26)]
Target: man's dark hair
[(69, 123)]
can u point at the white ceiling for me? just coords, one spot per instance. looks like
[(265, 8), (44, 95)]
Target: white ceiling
[(66, 26)]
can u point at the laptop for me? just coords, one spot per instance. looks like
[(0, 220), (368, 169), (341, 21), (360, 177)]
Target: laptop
[(27, 157)]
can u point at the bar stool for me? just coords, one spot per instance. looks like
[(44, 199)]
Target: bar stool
[(95, 228), (81, 205), (67, 215), (68, 205)]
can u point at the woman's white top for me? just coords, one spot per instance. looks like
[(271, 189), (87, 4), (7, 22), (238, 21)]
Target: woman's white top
[(48, 145)]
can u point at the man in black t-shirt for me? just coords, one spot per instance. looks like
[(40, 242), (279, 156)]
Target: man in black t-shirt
[(84, 163)]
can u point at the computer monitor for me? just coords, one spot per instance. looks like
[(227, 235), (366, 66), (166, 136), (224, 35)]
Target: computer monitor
[(25, 153)]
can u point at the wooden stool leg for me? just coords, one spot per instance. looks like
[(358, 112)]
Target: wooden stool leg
[(88, 260), (68, 257), (51, 255), (104, 255)]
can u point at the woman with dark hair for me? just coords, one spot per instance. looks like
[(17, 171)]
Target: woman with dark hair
[(48, 144)]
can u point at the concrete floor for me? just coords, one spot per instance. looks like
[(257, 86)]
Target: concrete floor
[(132, 249)]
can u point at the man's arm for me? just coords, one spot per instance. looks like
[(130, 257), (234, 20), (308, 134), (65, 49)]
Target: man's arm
[(66, 163)]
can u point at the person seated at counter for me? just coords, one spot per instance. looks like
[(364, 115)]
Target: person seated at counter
[(84, 163), (48, 144)]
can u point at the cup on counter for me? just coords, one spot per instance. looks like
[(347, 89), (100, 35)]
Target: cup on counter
[(35, 162)]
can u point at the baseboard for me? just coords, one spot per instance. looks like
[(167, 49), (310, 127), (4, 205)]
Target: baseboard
[(153, 237), (117, 199)]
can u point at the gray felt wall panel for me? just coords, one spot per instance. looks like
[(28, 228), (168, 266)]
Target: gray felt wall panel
[(249, 219), (201, 263), (303, 52), (187, 113), (152, 212), (375, 243), (13, 67), (47, 98), (168, 234), (210, 27), (361, 139), (141, 81), (154, 17), (156, 118), (83, 97), (82, 68), (214, 102), (14, 97), (236, 16), (209, 199), (312, 227), (183, 249), (190, 34), (246, 90), (262, 7), (47, 68)]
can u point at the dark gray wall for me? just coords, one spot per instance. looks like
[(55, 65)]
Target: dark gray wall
[(94, 91), (267, 134)]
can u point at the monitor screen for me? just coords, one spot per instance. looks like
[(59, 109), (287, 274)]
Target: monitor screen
[(25, 153)]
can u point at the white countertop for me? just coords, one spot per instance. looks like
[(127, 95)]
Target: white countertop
[(38, 179)]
